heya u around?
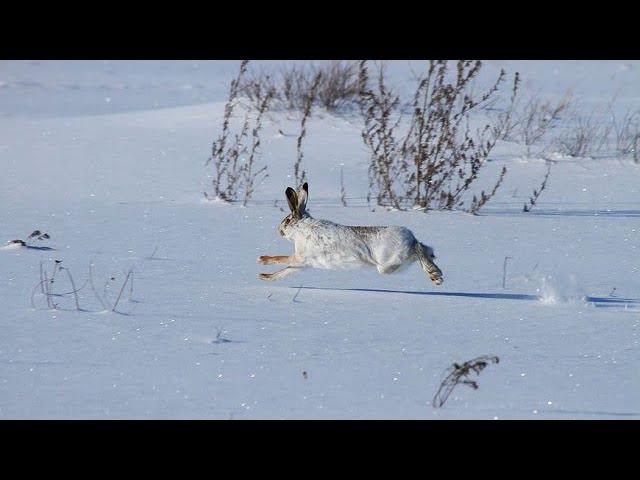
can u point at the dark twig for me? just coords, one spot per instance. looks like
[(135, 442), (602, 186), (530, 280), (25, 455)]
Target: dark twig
[(131, 287), (121, 290), (439, 158), (73, 285), (93, 287), (504, 272), (47, 288), (343, 191), (536, 192), (458, 375), (41, 279), (299, 174)]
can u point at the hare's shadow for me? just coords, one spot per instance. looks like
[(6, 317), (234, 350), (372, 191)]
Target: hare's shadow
[(597, 301)]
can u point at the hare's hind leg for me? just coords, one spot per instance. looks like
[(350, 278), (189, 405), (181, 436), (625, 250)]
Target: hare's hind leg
[(278, 275), (430, 268), (269, 259)]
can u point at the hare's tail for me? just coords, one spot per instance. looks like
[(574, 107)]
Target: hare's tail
[(431, 269)]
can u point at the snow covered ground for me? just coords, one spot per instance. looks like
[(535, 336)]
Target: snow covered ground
[(108, 158)]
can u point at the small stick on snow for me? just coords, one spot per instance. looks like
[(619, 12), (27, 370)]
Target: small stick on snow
[(93, 287), (131, 287), (41, 279), (296, 295), (47, 282), (73, 286), (343, 191), (504, 272), (121, 290)]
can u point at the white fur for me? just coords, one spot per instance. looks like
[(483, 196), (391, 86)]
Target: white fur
[(329, 245)]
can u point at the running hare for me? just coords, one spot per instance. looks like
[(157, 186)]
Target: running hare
[(324, 244)]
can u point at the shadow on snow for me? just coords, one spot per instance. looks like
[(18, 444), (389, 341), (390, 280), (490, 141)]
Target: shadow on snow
[(563, 213), (597, 301)]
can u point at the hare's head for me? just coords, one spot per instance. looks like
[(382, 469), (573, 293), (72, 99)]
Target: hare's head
[(298, 204)]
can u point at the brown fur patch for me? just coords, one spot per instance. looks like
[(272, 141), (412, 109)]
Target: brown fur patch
[(269, 259)]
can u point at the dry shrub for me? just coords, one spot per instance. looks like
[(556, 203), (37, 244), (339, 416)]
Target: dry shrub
[(627, 135), (299, 174), (234, 155), (256, 87), (586, 136), (537, 118), (581, 134), (459, 375), (436, 161), (339, 85), (537, 192), (504, 123), (292, 85)]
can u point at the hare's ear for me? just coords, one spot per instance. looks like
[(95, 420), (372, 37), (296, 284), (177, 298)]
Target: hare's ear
[(303, 196), (292, 200)]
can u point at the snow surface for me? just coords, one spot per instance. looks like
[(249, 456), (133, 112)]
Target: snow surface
[(108, 158)]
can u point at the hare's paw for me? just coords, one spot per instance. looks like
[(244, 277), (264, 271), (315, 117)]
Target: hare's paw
[(265, 276), (269, 259)]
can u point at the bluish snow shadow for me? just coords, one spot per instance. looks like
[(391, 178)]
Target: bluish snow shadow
[(563, 213), (597, 301), (598, 413)]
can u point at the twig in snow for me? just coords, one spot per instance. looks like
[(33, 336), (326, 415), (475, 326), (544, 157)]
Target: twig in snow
[(478, 202), (93, 287), (296, 295), (504, 272), (343, 191), (45, 285), (56, 265), (299, 174), (73, 285), (47, 288), (41, 279), (458, 375), (121, 290), (219, 337), (536, 193)]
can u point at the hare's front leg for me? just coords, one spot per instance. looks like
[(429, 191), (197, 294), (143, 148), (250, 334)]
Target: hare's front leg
[(279, 274), (293, 263), (269, 259)]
